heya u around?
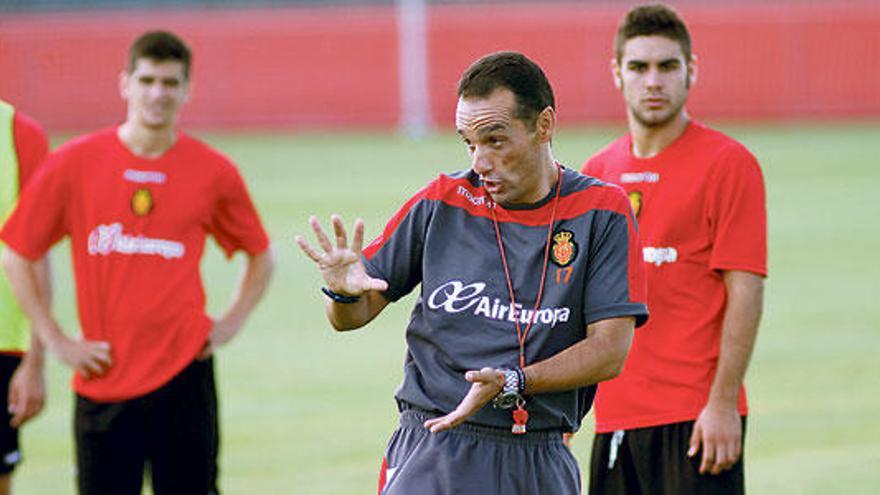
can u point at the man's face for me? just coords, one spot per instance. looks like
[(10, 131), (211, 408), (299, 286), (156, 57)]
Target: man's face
[(504, 152), (155, 92), (654, 78)]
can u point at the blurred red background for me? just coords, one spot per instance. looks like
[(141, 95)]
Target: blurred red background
[(338, 67)]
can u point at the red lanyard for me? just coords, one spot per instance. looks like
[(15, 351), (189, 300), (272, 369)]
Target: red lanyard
[(520, 334)]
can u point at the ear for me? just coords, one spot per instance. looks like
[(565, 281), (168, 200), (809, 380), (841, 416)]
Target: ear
[(615, 74), (187, 89), (123, 84), (692, 70), (546, 124)]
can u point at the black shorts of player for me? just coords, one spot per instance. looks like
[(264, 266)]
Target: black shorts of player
[(171, 434), (10, 456), (654, 461)]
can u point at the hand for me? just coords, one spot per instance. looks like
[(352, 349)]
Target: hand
[(341, 265), (718, 431), (89, 358), (487, 383), (221, 333), (27, 391)]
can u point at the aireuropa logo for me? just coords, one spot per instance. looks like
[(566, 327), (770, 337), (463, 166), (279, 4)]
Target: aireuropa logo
[(659, 255), (456, 297)]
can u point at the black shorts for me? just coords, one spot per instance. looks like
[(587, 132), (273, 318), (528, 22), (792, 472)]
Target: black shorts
[(654, 461), (10, 456), (171, 433)]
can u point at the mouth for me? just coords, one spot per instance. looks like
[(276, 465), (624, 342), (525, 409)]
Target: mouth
[(157, 109), (491, 186), (655, 102)]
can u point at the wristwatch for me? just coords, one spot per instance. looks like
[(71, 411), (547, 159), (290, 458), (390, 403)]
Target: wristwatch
[(510, 393)]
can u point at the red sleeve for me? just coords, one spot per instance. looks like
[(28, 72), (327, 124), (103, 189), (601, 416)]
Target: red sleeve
[(40, 219), (235, 223), (737, 213), (31, 146)]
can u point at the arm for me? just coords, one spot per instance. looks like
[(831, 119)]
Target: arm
[(344, 273), (89, 358), (27, 388), (355, 315), (597, 358), (250, 289), (718, 429)]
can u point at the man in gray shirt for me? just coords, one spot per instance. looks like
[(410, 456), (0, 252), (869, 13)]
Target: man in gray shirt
[(530, 286)]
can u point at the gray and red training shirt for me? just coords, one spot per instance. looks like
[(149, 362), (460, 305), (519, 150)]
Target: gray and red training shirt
[(444, 238)]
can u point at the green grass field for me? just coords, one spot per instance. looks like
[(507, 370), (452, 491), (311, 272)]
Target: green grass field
[(308, 411)]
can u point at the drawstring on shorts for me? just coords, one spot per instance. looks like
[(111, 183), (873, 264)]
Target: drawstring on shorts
[(616, 440)]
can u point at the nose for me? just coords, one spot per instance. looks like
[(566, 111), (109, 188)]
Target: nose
[(480, 162), (156, 91), (653, 79)]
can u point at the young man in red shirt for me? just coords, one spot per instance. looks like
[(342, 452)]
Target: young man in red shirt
[(137, 202), (672, 422), (23, 147)]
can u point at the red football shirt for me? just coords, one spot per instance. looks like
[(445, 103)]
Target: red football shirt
[(137, 229), (701, 209), (31, 146)]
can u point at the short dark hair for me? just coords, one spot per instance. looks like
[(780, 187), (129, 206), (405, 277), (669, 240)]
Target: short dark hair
[(513, 71), (654, 19), (159, 46)]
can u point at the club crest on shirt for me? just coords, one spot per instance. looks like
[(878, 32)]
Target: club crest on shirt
[(142, 201), (635, 200), (564, 249)]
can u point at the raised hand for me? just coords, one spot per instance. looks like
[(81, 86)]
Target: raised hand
[(340, 264)]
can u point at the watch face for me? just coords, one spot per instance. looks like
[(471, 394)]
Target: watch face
[(506, 400)]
